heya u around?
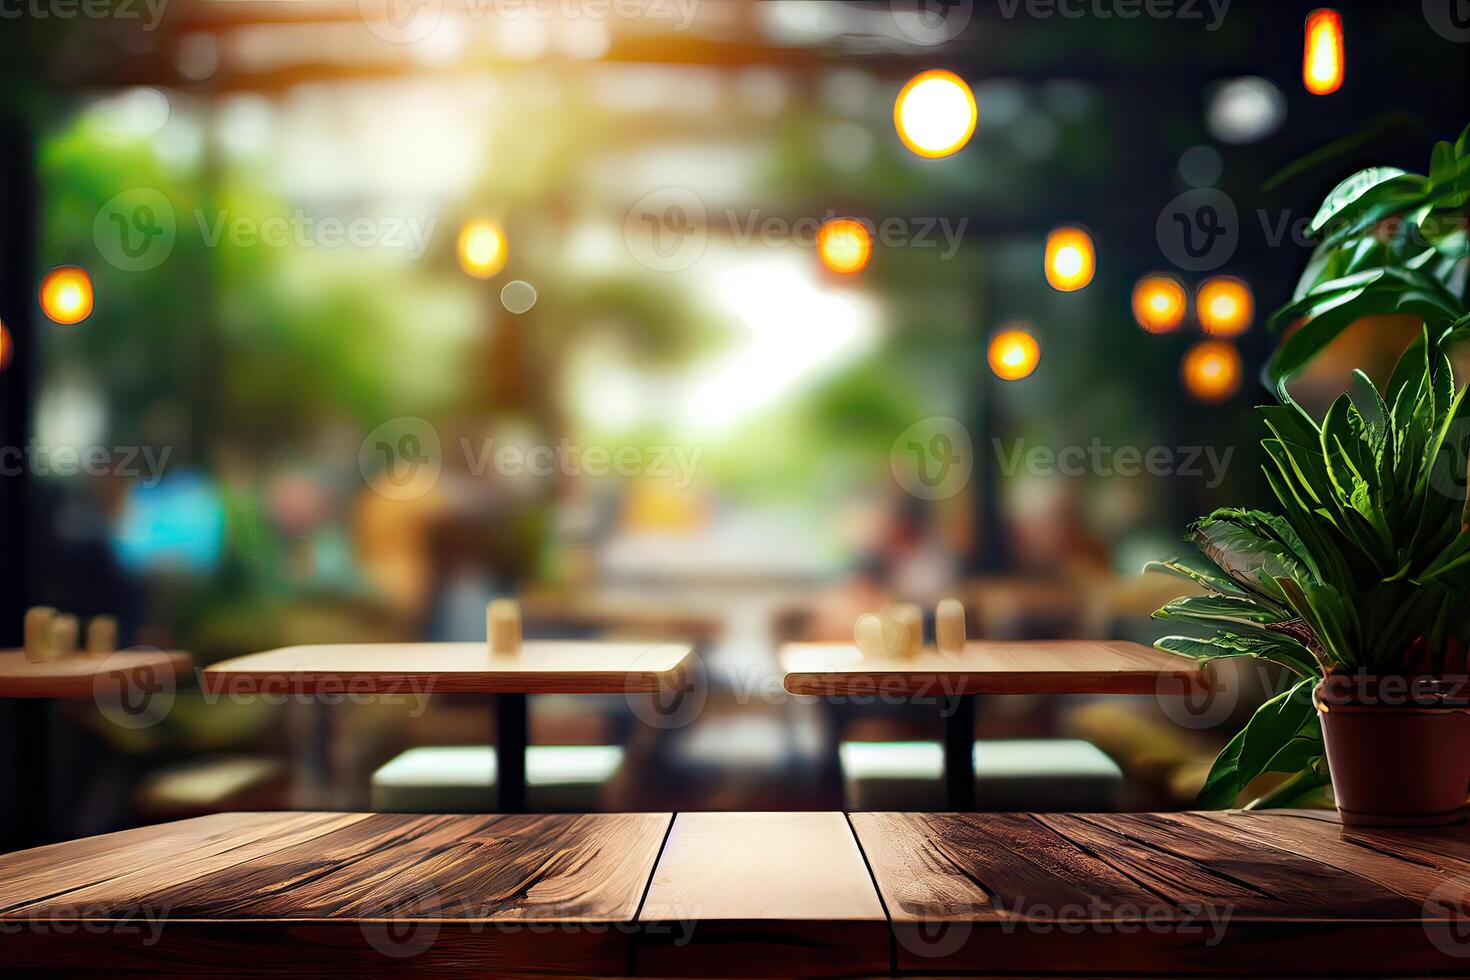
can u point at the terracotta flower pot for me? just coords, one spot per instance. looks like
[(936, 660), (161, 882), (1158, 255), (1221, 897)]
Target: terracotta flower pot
[(1399, 751)]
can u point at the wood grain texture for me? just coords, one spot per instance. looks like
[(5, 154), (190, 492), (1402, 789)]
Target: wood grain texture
[(541, 667), (745, 894), (992, 667), (75, 677), (493, 894), (762, 894), (1150, 894)]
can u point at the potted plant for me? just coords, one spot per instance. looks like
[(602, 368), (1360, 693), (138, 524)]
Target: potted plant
[(1359, 587)]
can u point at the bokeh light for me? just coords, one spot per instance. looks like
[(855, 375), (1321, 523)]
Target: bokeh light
[(1225, 306), (1211, 370), (482, 248), (1014, 353), (5, 346), (66, 294), (935, 113), (1322, 58), (1159, 303), (844, 245), (1070, 259)]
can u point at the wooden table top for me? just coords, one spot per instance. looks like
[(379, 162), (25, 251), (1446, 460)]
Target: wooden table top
[(992, 667), (719, 894), (541, 667), (75, 677)]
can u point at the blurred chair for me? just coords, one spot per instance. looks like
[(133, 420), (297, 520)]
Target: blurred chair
[(1059, 774), (213, 785), (462, 778)]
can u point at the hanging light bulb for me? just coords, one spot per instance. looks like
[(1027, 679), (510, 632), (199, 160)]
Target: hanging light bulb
[(935, 113), (1322, 57), (1070, 259), (844, 245), (1014, 353), (1225, 306), (66, 294), (1158, 303)]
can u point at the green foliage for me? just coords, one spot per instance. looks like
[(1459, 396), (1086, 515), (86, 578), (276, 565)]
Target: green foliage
[(1366, 567), (1389, 242)]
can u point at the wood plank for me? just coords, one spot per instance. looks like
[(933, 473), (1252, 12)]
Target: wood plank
[(404, 669), (77, 676), (1146, 895), (96, 871), (1367, 854), (763, 894), (499, 895), (992, 667), (1222, 865)]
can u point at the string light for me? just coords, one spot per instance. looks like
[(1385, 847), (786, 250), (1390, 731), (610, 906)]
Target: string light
[(66, 294), (482, 248), (1014, 353), (1211, 370), (935, 113), (844, 245), (1158, 303), (1070, 259), (1225, 306), (1322, 57)]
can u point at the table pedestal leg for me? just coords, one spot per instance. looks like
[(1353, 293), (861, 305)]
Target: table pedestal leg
[(511, 726), (959, 759), (32, 745)]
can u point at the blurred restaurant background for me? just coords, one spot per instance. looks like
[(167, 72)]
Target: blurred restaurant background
[(644, 312)]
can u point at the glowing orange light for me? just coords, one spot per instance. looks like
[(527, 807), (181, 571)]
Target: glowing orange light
[(66, 294), (844, 245), (935, 113), (5, 346), (1225, 306), (1070, 259), (482, 248), (1211, 370), (1014, 354), (1158, 303), (1322, 58)]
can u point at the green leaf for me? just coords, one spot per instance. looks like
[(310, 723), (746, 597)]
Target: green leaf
[(1201, 574), (1249, 753), (1278, 649), (1221, 609)]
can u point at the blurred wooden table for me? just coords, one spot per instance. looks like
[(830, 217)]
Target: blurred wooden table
[(987, 667), (539, 667), (745, 894), (77, 676), (124, 680)]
